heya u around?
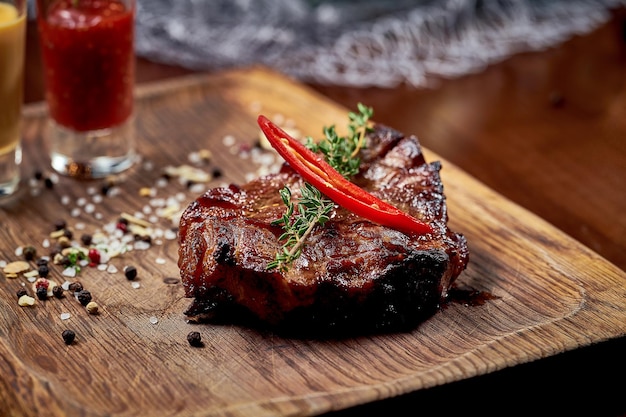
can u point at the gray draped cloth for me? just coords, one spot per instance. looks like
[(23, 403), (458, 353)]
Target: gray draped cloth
[(359, 42)]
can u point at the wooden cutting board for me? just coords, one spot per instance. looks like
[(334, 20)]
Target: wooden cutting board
[(133, 359)]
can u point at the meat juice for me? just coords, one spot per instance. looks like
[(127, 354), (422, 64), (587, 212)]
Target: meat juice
[(87, 50), (12, 40)]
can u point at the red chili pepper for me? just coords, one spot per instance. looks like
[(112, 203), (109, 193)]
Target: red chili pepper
[(317, 172)]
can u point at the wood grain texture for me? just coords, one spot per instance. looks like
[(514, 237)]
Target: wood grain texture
[(553, 293)]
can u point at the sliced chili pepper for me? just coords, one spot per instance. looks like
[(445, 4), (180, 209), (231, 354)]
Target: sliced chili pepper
[(316, 171)]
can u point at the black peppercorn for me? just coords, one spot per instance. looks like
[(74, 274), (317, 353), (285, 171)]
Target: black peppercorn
[(42, 293), (68, 336), (75, 286), (86, 239), (58, 291), (130, 272), (60, 224), (48, 182), (43, 271), (29, 253), (194, 339), (42, 261), (84, 297), (217, 173), (21, 292)]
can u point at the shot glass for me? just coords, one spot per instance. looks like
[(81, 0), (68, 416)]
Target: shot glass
[(12, 47), (87, 49)]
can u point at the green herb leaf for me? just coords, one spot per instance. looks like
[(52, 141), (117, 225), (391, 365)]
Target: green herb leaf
[(313, 208), (341, 152)]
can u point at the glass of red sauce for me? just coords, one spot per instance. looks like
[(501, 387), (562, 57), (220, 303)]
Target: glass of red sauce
[(87, 49)]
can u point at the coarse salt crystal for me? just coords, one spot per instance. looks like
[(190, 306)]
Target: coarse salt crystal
[(102, 267), (97, 198), (154, 320), (111, 269), (141, 245), (65, 200), (135, 285), (90, 208), (161, 183), (170, 234), (81, 201), (66, 285), (70, 271), (19, 251), (3, 263), (65, 316), (160, 261), (79, 226), (75, 212), (228, 140)]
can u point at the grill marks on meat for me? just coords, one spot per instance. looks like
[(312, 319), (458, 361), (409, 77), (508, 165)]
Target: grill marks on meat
[(352, 276)]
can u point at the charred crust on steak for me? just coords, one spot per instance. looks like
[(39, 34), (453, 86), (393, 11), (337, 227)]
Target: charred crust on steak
[(353, 276)]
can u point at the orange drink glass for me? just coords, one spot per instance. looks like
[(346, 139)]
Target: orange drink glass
[(12, 47)]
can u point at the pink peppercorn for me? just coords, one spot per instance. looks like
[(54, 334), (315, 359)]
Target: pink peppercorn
[(42, 283), (94, 257)]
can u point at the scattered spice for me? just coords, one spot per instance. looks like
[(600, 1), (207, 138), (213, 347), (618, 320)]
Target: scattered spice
[(42, 293), (92, 307), (43, 271), (26, 300), (86, 239), (194, 339), (83, 297), (68, 336), (30, 253), (16, 267), (75, 287), (58, 291), (21, 292), (60, 224), (130, 272)]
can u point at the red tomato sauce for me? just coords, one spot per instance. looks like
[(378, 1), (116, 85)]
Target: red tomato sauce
[(89, 65)]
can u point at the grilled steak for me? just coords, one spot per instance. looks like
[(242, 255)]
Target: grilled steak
[(352, 275)]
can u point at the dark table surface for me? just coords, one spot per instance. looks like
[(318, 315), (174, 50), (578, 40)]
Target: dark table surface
[(546, 130)]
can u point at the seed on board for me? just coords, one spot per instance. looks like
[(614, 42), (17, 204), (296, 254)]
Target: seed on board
[(60, 224), (64, 242), (26, 300), (92, 307), (130, 272), (42, 293), (43, 271), (86, 239), (194, 339), (29, 253), (21, 292), (68, 336), (84, 297), (58, 291), (16, 267), (75, 287)]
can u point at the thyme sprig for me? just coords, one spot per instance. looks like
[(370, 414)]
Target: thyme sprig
[(341, 152), (313, 208)]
